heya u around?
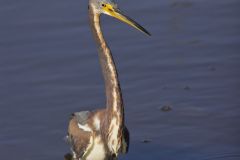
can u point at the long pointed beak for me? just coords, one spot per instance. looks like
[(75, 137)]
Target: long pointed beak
[(111, 11)]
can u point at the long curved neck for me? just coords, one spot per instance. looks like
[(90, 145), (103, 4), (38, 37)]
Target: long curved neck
[(112, 86)]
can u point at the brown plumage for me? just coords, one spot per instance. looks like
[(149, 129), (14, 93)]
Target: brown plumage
[(102, 134)]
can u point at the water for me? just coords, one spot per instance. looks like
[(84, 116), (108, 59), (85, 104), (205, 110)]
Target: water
[(49, 68)]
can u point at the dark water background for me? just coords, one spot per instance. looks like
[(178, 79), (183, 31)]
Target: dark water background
[(49, 68)]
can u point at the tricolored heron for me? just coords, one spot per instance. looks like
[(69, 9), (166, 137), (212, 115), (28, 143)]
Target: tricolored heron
[(102, 134)]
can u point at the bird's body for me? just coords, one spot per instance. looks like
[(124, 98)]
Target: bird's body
[(101, 134), (86, 134)]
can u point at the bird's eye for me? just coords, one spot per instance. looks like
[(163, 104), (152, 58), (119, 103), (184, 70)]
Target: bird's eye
[(104, 5)]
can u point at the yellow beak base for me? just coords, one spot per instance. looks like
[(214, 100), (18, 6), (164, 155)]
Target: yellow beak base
[(114, 12)]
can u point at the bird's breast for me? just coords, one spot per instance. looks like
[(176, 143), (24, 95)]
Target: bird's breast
[(96, 150)]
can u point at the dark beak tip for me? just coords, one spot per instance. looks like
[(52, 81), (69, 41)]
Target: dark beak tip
[(148, 33)]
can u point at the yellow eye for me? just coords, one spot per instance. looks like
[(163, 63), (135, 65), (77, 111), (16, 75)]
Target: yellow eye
[(104, 5)]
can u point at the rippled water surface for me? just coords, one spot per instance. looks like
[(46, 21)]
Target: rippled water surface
[(49, 68)]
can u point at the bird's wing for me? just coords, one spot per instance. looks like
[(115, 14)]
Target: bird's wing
[(79, 146), (79, 138), (82, 117)]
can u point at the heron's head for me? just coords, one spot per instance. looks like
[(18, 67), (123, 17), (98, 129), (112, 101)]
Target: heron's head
[(109, 7)]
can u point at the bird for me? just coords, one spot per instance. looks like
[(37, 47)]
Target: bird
[(101, 134)]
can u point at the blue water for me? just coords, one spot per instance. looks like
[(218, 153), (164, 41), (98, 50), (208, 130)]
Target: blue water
[(49, 68)]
